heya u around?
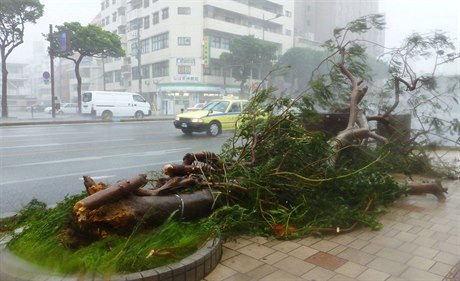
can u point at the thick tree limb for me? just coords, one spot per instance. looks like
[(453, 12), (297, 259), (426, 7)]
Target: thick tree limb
[(113, 193)]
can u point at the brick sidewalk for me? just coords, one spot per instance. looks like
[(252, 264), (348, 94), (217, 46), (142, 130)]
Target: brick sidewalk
[(420, 240)]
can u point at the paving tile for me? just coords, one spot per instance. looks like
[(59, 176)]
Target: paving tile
[(372, 248), (394, 255), (425, 252), (405, 236), (440, 268), (340, 277), (373, 275), (286, 246), (242, 263), (414, 274), (228, 253), (261, 271), (308, 241), (273, 258), (415, 230), (303, 252), (238, 277), (220, 272), (261, 240), (421, 263), (337, 250), (318, 273), (351, 269), (324, 245), (387, 241), (447, 247), (388, 266), (358, 244), (326, 260), (294, 265), (402, 226), (280, 275), (441, 227), (408, 247), (256, 251), (343, 239), (356, 256), (237, 244), (447, 258)]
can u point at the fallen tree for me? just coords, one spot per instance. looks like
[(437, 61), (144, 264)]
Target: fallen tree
[(274, 175)]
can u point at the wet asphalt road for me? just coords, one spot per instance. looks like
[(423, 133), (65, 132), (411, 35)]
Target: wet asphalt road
[(47, 162)]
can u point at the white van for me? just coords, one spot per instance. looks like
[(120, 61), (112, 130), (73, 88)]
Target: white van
[(109, 104)]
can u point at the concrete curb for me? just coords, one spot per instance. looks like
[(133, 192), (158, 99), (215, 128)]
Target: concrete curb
[(192, 268)]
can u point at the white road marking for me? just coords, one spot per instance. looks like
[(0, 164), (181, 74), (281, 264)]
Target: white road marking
[(93, 158), (91, 172), (67, 143)]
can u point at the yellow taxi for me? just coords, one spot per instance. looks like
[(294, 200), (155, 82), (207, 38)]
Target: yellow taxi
[(215, 117)]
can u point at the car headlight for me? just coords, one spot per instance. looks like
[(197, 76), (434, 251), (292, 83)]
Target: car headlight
[(177, 118), (197, 120)]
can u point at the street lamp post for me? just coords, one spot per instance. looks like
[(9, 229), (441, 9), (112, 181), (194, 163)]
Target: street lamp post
[(267, 20), (139, 55)]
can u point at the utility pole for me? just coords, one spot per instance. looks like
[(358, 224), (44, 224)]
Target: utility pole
[(139, 64), (53, 103)]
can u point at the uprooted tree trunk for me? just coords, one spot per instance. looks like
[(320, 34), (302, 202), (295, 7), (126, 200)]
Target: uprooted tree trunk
[(184, 190)]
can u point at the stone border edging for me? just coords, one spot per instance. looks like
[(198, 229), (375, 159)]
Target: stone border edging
[(191, 268)]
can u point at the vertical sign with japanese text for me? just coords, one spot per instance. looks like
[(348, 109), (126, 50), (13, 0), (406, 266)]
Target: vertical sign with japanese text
[(206, 51)]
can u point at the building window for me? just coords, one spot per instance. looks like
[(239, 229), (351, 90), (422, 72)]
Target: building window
[(165, 13), (145, 71), (107, 3), (108, 77), (288, 14), (114, 17), (184, 11), (288, 32), (215, 42), (184, 41), (135, 73), (160, 41), (114, 1), (107, 20), (146, 3), (184, 69), (160, 69), (155, 18), (102, 6), (225, 43), (146, 22), (117, 74)]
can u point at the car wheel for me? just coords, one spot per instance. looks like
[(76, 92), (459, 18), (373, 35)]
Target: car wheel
[(107, 115), (187, 132), (214, 128), (139, 115)]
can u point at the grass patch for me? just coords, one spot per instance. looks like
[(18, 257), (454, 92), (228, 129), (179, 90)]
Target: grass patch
[(45, 237)]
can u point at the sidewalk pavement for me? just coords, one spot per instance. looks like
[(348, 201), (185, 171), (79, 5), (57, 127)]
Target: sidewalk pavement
[(72, 119), (420, 241)]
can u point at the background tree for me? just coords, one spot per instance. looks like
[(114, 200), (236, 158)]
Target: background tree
[(85, 41), (248, 55), (14, 14)]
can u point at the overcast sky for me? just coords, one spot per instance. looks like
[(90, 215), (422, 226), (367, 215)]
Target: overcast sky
[(402, 16)]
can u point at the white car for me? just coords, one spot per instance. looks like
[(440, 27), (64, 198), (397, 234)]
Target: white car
[(65, 108), (196, 107)]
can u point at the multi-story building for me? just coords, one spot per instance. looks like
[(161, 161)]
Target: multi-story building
[(316, 20), (177, 44)]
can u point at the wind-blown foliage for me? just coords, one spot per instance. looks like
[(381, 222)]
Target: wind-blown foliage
[(85, 41), (248, 54), (14, 14)]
